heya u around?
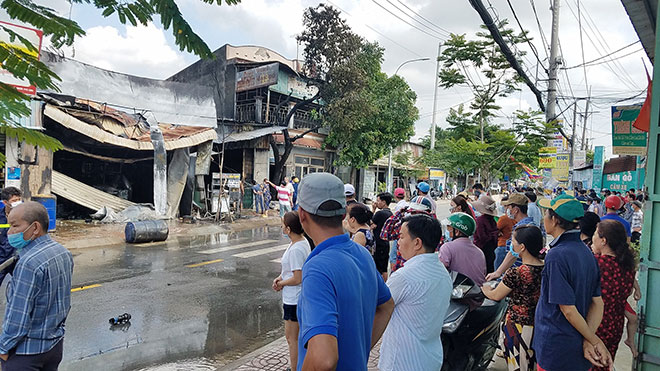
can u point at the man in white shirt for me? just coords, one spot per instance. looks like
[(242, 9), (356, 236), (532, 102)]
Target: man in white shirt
[(421, 291), (400, 198)]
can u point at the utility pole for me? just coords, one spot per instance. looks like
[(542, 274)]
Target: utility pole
[(435, 96), (584, 128), (554, 64), (574, 143)]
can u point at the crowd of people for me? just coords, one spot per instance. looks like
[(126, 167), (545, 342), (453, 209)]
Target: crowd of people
[(566, 272)]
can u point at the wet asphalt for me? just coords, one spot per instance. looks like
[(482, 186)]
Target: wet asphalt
[(193, 303), (196, 303)]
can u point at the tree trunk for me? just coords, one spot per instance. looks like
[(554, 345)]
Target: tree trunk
[(280, 160)]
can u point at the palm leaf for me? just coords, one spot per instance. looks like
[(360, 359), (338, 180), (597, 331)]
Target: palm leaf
[(62, 30)]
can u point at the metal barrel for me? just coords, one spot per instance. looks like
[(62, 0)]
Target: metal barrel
[(146, 231)]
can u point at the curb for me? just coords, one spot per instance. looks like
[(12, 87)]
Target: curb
[(252, 355)]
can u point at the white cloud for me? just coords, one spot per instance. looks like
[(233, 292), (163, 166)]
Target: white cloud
[(142, 51)]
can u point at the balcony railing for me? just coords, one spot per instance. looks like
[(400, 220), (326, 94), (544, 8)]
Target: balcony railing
[(270, 114)]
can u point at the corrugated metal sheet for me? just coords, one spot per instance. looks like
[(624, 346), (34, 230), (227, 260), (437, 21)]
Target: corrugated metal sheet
[(302, 142), (85, 195), (252, 134), (200, 135), (170, 102), (642, 14)]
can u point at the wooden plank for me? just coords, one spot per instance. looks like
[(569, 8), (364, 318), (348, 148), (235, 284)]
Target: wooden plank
[(85, 195)]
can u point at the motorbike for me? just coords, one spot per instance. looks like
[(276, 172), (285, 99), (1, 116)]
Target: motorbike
[(470, 337)]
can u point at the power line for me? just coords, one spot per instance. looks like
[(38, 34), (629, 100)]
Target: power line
[(622, 74), (538, 23), (531, 46), (586, 83), (376, 31), (422, 17), (406, 22), (416, 20), (592, 62)]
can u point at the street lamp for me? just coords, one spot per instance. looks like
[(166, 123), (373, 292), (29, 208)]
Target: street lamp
[(410, 61), (389, 160)]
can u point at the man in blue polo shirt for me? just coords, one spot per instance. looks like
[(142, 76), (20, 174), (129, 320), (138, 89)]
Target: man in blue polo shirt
[(344, 305), (570, 307), (613, 204)]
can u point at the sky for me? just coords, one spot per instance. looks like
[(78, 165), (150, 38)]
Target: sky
[(150, 51)]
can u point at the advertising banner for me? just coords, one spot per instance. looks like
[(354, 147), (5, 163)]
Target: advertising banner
[(579, 159), (436, 174), (626, 139), (620, 182), (547, 157), (257, 77), (560, 172), (598, 167), (34, 37)]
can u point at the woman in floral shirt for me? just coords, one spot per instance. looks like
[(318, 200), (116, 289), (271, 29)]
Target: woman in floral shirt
[(617, 276), (523, 285)]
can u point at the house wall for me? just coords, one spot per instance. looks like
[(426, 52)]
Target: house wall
[(261, 164)]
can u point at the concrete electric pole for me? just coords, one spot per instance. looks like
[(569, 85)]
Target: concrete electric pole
[(435, 97), (550, 111)]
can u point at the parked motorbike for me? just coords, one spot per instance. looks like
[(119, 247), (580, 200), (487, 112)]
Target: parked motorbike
[(470, 338)]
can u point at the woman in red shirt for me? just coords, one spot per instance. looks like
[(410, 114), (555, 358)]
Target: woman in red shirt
[(617, 275)]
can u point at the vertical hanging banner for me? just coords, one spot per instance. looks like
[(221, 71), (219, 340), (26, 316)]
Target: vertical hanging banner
[(8, 36), (598, 168), (627, 139), (579, 159), (560, 172), (547, 157)]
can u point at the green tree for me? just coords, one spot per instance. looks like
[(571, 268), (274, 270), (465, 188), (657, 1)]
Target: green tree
[(22, 61), (365, 111), (480, 65)]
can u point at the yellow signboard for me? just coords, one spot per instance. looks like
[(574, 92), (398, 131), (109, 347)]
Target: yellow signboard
[(436, 174), (547, 157)]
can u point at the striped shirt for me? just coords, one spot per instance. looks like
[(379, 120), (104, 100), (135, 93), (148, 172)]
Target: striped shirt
[(637, 219), (421, 291), (38, 298), (283, 195)]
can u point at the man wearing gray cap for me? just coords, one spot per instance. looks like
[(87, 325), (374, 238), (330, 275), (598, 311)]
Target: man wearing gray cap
[(344, 305)]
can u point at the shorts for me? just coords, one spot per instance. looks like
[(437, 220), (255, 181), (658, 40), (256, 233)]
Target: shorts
[(382, 256), (290, 312), (284, 208)]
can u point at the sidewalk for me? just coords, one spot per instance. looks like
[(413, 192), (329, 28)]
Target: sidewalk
[(76, 234), (275, 357)]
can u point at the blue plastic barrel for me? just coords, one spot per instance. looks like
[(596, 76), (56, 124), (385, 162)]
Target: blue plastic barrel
[(146, 231), (50, 203)]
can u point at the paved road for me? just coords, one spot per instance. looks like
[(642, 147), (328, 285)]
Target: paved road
[(202, 299)]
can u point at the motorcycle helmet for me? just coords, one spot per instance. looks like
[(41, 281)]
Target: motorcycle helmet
[(461, 221)]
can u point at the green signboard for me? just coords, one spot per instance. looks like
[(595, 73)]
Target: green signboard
[(620, 182), (626, 139), (598, 167)]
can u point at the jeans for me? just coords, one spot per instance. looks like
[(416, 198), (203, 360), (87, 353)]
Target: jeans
[(284, 208), (500, 254), (393, 248), (259, 204)]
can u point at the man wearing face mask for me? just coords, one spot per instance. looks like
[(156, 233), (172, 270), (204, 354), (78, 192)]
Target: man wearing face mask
[(11, 197), (516, 209), (38, 296)]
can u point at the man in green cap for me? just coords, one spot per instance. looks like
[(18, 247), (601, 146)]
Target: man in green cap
[(461, 254), (570, 307)]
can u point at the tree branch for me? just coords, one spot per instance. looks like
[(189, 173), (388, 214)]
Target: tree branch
[(304, 133)]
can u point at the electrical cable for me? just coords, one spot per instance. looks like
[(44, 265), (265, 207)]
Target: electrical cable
[(376, 31), (529, 41), (431, 29), (538, 23), (598, 61), (422, 17), (622, 75), (406, 22)]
